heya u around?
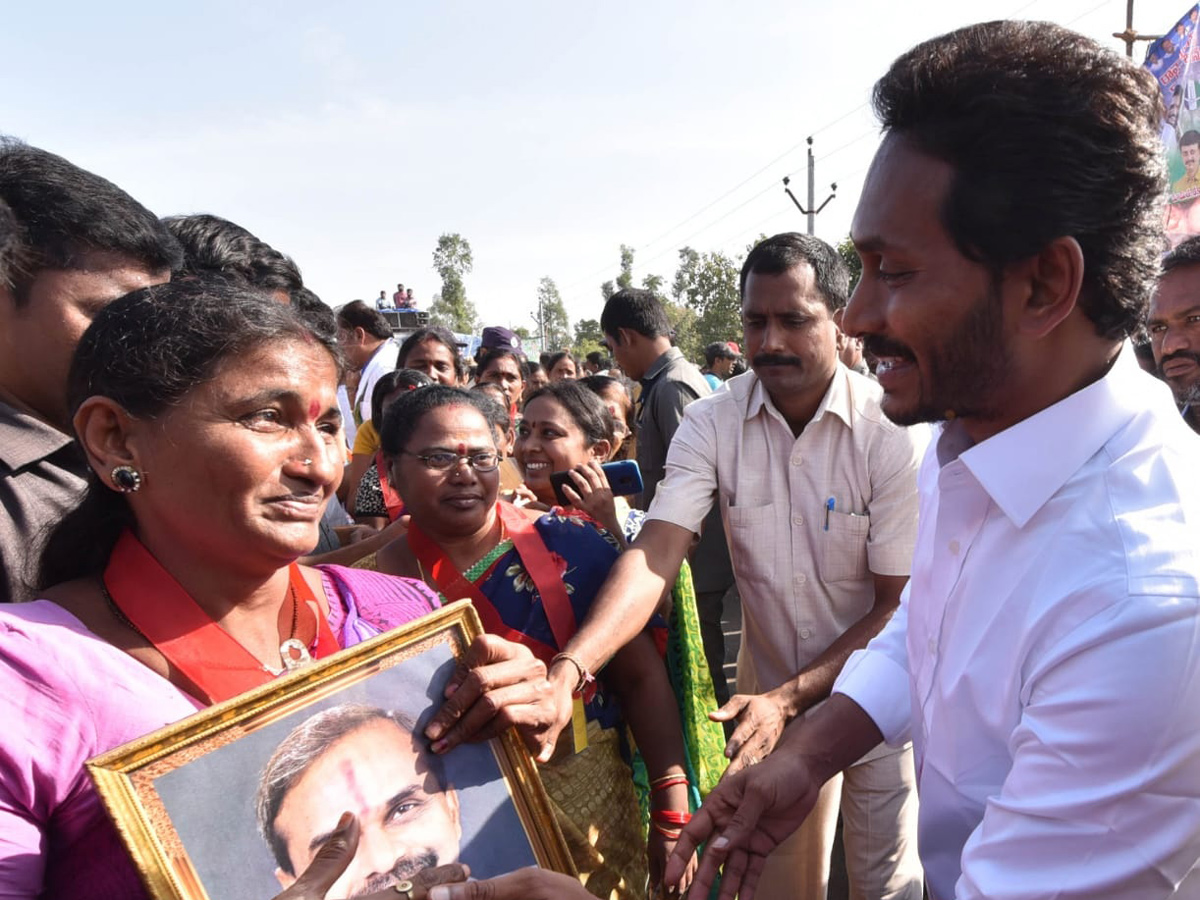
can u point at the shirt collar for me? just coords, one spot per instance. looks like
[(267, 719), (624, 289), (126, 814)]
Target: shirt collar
[(1025, 465), (657, 367), (25, 440), (837, 398)]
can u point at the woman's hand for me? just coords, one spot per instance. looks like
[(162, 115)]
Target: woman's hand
[(500, 684), (591, 493), (338, 852), (658, 851), (521, 496)]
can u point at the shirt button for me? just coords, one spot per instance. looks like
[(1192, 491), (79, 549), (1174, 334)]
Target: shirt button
[(797, 520), (800, 579), (954, 547), (805, 634), (797, 459)]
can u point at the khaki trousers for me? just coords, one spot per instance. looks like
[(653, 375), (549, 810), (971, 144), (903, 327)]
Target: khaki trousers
[(878, 800)]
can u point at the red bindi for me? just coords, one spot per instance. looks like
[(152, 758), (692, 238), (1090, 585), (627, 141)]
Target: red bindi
[(314, 409), (462, 449)]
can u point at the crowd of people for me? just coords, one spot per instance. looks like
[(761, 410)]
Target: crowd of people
[(960, 519)]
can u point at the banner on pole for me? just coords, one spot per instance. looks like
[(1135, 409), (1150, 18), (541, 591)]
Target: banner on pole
[(1174, 61)]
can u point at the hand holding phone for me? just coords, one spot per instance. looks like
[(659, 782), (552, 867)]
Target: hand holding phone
[(624, 478)]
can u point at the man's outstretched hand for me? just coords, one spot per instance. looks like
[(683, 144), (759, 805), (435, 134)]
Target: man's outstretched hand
[(745, 817)]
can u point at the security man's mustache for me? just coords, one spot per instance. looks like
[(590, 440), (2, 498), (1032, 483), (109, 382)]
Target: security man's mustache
[(1178, 354), (776, 359)]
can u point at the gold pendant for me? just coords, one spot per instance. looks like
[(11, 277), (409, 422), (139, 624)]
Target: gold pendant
[(294, 654)]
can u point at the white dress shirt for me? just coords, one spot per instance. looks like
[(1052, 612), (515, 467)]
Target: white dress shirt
[(1045, 660), (804, 577), (380, 363)]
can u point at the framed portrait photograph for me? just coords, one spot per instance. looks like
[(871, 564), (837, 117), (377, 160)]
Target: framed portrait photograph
[(233, 802)]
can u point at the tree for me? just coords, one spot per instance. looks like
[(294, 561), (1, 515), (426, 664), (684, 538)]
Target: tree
[(555, 324), (450, 307), (707, 283), (653, 283), (587, 338), (849, 256), (625, 279)]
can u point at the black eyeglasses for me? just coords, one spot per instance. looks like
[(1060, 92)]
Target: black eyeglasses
[(444, 460)]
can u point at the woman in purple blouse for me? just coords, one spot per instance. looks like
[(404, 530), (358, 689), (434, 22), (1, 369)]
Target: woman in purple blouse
[(209, 419)]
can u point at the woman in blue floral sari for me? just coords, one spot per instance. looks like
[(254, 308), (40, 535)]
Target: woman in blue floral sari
[(532, 579)]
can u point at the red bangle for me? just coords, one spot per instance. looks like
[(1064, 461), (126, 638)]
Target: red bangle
[(671, 817)]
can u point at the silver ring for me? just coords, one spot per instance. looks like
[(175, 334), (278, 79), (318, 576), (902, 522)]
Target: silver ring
[(404, 888)]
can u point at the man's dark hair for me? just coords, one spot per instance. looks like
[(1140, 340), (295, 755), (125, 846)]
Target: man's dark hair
[(357, 314), (1186, 254), (784, 252), (307, 743), (9, 245), (403, 417), (638, 310), (395, 380), (530, 367), (432, 333), (1049, 135), (585, 407), (62, 213), (213, 244), (718, 350), (1190, 137), (600, 360), (147, 351)]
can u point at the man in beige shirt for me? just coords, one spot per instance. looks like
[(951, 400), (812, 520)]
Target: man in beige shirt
[(817, 493)]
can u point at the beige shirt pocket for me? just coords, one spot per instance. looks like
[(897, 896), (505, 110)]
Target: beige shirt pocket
[(751, 541), (844, 548)]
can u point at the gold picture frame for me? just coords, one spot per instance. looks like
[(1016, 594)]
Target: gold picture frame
[(177, 796)]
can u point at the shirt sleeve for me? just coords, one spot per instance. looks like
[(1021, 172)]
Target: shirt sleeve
[(686, 493), (893, 465), (877, 679), (1102, 798), (668, 401)]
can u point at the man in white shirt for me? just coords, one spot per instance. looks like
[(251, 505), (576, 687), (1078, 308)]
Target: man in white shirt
[(1045, 659), (366, 339)]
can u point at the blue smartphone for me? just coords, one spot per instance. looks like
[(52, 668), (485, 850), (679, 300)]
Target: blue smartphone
[(624, 477)]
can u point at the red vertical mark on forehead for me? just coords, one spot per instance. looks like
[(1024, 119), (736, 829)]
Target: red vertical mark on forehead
[(314, 409), (358, 801), (462, 449)]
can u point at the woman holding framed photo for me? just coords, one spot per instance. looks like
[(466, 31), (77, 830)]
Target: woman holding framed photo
[(208, 416)]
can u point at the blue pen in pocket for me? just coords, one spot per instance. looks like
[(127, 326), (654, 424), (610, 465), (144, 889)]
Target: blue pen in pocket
[(828, 510)]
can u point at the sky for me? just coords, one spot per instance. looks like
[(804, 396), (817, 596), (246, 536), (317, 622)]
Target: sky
[(350, 136)]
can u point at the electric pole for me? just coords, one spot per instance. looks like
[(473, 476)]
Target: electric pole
[(1129, 35), (813, 209)]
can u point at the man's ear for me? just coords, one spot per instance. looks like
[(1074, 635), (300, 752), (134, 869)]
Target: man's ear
[(285, 880), (106, 434), (842, 338), (1055, 277)]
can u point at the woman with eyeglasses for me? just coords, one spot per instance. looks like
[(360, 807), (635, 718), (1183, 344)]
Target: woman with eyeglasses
[(532, 578)]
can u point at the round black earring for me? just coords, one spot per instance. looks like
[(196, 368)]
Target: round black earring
[(127, 479)]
